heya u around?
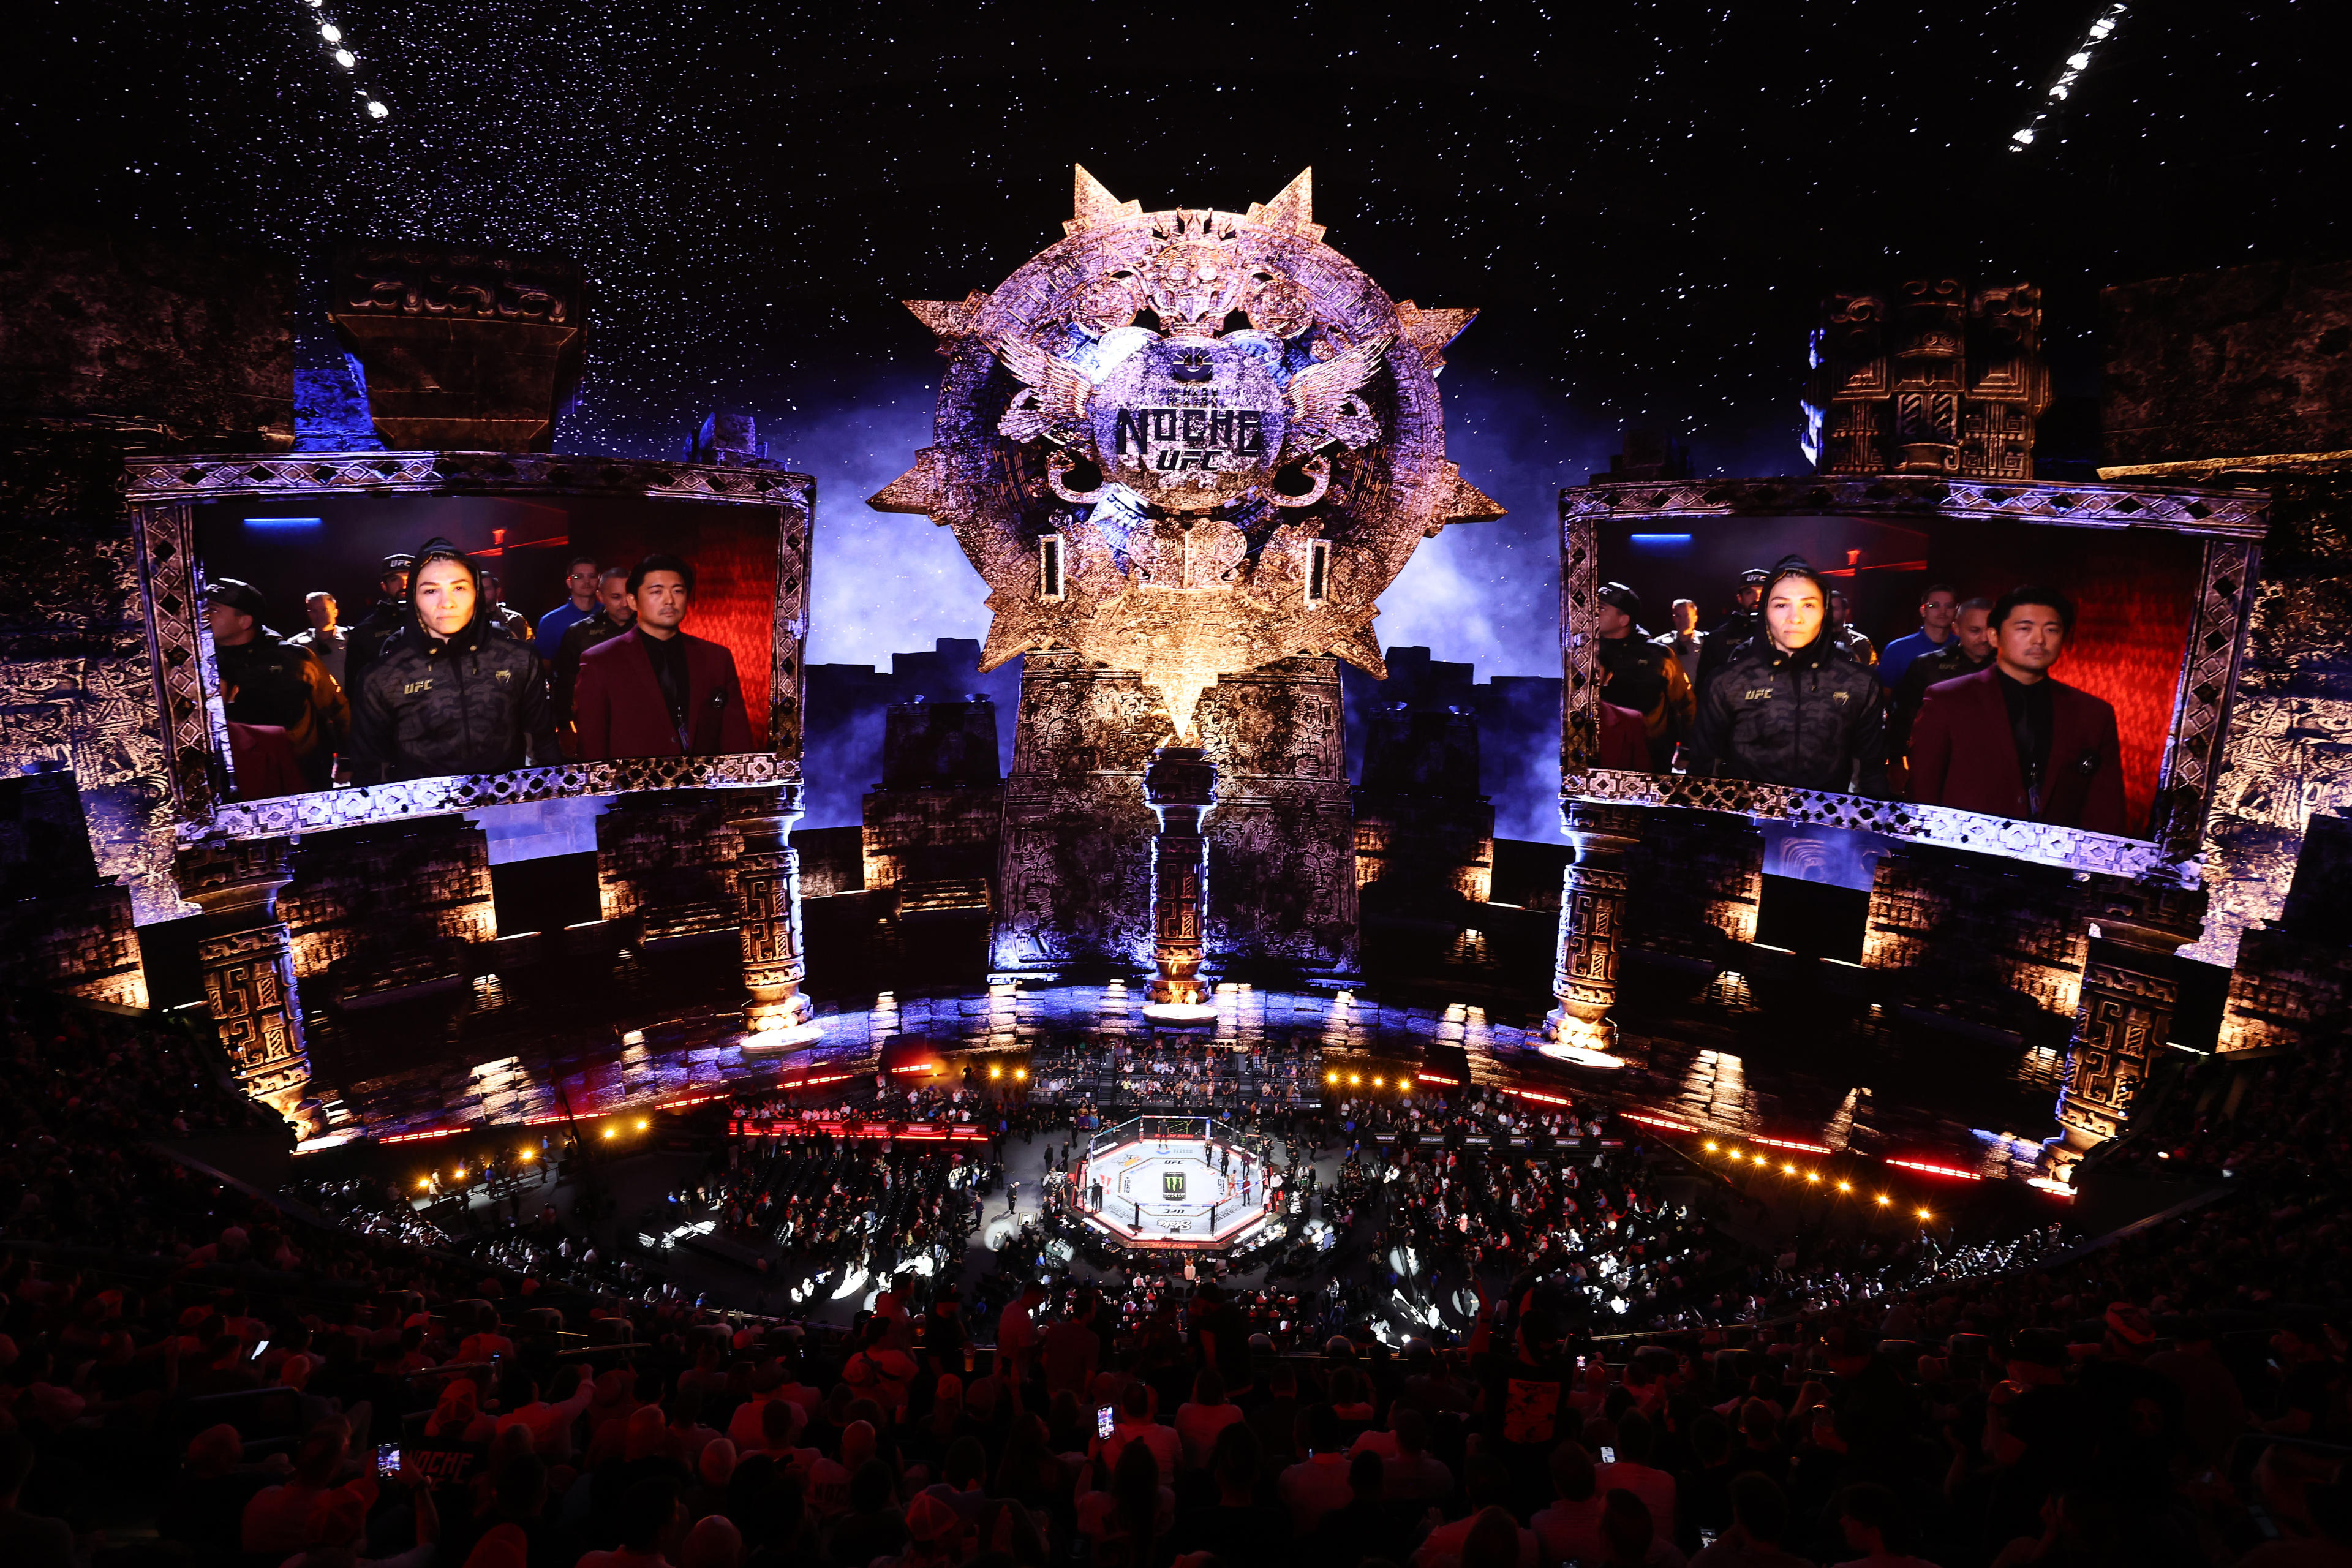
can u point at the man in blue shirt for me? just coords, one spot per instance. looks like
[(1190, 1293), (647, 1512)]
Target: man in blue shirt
[(1937, 607), (580, 577)]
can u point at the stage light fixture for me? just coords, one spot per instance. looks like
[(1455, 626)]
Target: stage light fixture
[(996, 1072), (458, 1174), (376, 109), (1330, 1077), (1404, 1083), (1883, 1200), (1925, 1214), (1354, 1079), (345, 58), (1021, 1075), (1710, 1145), (529, 1156), (1813, 1176), (424, 1180), (1845, 1186), (1376, 1080), (329, 32), (1786, 1169), (609, 1133), (642, 1124)]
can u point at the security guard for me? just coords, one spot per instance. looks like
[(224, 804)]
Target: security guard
[(385, 617), (1742, 624), (1642, 676), (273, 682)]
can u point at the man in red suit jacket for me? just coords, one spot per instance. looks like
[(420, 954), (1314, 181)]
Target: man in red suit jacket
[(654, 691), (2010, 740)]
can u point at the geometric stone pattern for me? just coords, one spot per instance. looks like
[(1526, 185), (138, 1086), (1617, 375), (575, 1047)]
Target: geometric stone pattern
[(2129, 991), (669, 860), (2286, 755), (1978, 939), (1281, 837), (1942, 381), (388, 904), (247, 963), (76, 685)]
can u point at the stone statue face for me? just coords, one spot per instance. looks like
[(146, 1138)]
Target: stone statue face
[(1228, 480)]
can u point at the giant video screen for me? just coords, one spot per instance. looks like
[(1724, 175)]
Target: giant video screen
[(365, 656), (1892, 669)]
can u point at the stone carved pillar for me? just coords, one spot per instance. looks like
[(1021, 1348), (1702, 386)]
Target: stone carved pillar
[(247, 961), (1591, 919), (1181, 785), (2129, 991), (768, 893)]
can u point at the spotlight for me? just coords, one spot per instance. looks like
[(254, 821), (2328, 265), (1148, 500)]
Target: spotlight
[(1845, 1186), (1330, 1077), (609, 1132), (996, 1072), (1813, 1176), (424, 1180), (529, 1156), (1404, 1083), (329, 32), (1710, 1145), (1883, 1200), (345, 58), (1355, 1078), (376, 109), (641, 1125), (458, 1174), (1376, 1080), (1021, 1075), (1786, 1169), (1925, 1214)]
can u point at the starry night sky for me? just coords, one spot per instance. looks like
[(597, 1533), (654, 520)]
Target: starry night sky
[(1645, 200)]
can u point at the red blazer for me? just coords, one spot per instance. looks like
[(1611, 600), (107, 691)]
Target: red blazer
[(620, 711), (1624, 739), (1964, 755)]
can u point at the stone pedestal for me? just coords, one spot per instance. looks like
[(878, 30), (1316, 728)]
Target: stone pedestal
[(1181, 785), (768, 894), (1592, 923), (1281, 905), (2129, 991), (247, 961), (1073, 872)]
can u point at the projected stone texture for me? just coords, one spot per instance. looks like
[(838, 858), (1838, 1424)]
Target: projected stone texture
[(1935, 378), (1993, 942), (1233, 485), (1182, 445), (380, 908), (1425, 835)]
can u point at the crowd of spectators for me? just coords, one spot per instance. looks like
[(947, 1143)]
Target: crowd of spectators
[(843, 1204)]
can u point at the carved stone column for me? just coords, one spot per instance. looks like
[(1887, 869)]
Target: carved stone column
[(1591, 919), (248, 961), (768, 893), (2129, 991), (1181, 785)]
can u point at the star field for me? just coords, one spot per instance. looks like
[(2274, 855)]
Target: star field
[(1644, 201)]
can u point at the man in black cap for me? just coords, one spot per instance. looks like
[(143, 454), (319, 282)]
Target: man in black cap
[(274, 683), (1967, 650), (615, 614), (450, 695), (1789, 707), (1641, 675), (385, 617), (1736, 629)]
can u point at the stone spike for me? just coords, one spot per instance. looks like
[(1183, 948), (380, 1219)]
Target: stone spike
[(1460, 501), (951, 321), (1094, 204), (1430, 331), (1359, 648), (922, 489), (1293, 207)]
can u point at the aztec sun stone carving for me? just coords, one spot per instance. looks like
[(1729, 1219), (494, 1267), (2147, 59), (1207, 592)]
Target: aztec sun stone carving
[(1188, 443)]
